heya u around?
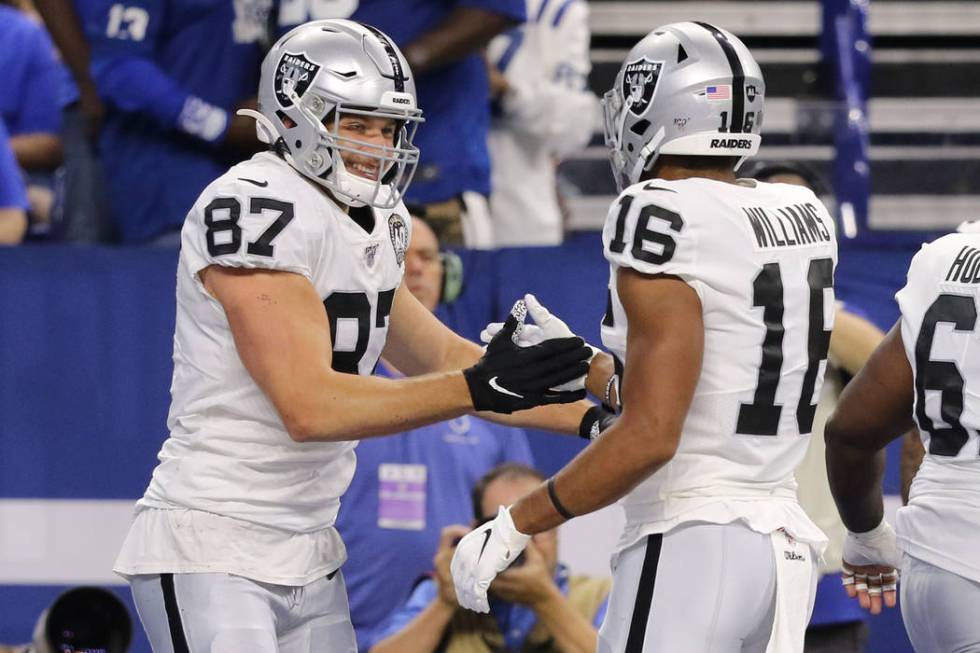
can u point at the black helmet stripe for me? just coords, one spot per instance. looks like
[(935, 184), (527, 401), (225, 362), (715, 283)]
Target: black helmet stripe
[(398, 75), (738, 77)]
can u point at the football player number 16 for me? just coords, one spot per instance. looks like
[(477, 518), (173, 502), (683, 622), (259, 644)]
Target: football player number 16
[(761, 417)]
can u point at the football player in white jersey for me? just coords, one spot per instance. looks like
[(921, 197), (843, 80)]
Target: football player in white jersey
[(289, 289), (719, 316), (926, 370)]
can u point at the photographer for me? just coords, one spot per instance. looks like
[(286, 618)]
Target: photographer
[(82, 620), (535, 605)]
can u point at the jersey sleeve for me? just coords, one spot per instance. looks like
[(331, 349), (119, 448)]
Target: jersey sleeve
[(918, 268), (646, 232), (39, 108), (234, 226)]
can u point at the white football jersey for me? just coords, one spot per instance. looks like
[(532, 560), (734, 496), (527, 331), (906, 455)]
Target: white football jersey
[(546, 114), (228, 451), (940, 334), (761, 258)]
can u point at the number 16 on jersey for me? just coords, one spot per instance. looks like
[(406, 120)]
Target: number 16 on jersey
[(761, 417)]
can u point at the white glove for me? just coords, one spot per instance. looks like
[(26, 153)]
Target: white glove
[(481, 555), (546, 327), (876, 547)]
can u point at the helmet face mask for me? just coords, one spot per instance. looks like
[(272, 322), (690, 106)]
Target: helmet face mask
[(318, 74), (686, 88)]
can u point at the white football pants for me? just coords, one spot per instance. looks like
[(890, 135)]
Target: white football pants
[(222, 613), (939, 608), (708, 588)]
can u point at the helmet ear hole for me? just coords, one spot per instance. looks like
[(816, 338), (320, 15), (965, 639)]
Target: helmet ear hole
[(640, 127)]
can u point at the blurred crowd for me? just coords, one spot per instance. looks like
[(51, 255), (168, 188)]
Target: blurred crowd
[(114, 116)]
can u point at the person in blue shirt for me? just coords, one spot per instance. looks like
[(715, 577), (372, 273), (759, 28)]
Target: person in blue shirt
[(535, 605), (13, 196), (30, 90), (31, 98), (171, 73), (442, 40), (408, 487)]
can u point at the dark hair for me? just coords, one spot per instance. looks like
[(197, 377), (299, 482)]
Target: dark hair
[(766, 170), (505, 470)]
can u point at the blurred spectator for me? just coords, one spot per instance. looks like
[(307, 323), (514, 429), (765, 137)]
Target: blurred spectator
[(13, 196), (542, 112), (31, 97), (83, 203), (406, 488), (172, 73), (442, 40), (81, 620), (535, 605), (838, 625)]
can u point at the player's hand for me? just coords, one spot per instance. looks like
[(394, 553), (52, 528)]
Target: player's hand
[(531, 583), (870, 569), (483, 554), (447, 546), (510, 378), (546, 326)]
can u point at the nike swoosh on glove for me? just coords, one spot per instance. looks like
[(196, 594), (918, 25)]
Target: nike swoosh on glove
[(546, 326), (481, 555), (876, 547), (509, 377)]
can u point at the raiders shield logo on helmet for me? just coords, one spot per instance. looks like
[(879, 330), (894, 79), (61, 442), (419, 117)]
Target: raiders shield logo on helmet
[(295, 72), (399, 236), (639, 84), (751, 92)]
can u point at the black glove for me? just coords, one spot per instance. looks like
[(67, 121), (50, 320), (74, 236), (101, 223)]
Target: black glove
[(596, 420), (510, 378)]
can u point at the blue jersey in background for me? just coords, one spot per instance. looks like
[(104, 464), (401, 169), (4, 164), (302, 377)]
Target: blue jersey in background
[(454, 98), (12, 193), (172, 73), (32, 82), (406, 488)]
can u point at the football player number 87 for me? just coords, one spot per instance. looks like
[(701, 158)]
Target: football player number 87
[(224, 235)]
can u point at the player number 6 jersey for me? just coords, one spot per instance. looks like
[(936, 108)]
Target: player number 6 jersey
[(941, 335)]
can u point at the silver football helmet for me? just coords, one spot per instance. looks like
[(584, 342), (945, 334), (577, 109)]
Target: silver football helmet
[(326, 69), (686, 88)]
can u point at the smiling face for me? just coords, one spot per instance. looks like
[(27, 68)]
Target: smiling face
[(367, 134)]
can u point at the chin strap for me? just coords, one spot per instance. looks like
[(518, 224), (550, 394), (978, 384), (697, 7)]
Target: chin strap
[(648, 155)]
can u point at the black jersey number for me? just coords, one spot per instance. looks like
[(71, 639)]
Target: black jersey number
[(761, 417), (222, 215), (643, 234), (961, 312), (356, 306)]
